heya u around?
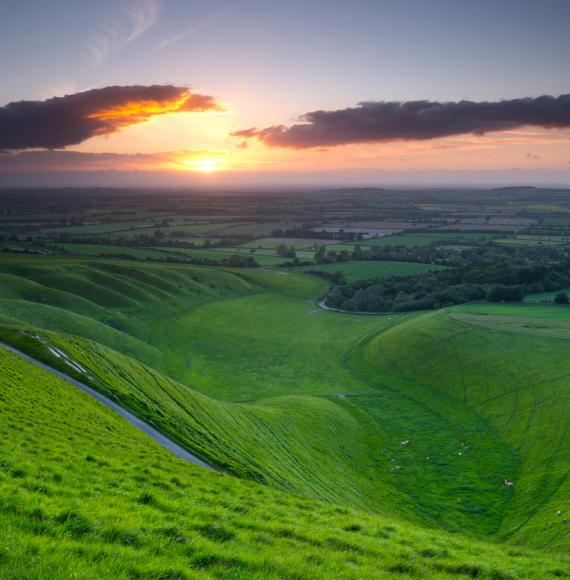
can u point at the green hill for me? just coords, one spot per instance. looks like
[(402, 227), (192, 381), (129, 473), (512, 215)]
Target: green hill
[(84, 494), (510, 365), (416, 418)]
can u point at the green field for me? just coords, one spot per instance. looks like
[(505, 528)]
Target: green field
[(529, 240), (262, 258), (244, 369), (100, 228), (359, 270), (101, 249), (545, 296), (532, 310), (424, 239)]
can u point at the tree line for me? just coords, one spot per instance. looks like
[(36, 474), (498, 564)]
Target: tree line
[(487, 272)]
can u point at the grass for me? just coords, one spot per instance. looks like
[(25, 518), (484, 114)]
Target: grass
[(532, 310), (100, 228), (515, 380), (534, 240), (263, 258), (544, 296), (225, 253), (359, 270), (69, 507), (101, 249), (243, 368)]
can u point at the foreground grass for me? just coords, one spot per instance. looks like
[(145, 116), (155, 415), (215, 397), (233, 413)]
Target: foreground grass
[(83, 494)]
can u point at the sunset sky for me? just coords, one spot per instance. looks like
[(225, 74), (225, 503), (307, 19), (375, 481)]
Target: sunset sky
[(253, 92)]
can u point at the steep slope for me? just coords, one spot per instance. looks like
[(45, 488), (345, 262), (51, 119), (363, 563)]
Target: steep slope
[(84, 494), (511, 366)]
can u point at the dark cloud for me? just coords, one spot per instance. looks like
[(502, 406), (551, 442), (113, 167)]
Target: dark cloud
[(68, 120), (380, 122)]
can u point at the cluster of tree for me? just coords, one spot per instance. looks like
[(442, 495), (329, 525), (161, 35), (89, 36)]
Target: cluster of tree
[(324, 257), (479, 252), (561, 298), (497, 275), (284, 252)]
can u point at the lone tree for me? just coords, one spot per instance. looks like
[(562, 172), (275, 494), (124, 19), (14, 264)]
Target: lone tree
[(561, 298)]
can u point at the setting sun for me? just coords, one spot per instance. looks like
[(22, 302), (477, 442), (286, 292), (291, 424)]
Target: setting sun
[(207, 165)]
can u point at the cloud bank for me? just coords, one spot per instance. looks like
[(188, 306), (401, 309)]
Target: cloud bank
[(26, 162), (69, 120), (382, 121)]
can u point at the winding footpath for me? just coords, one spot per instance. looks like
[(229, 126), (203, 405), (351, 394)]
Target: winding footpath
[(157, 436)]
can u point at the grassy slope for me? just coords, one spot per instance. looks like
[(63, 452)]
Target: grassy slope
[(83, 494), (226, 333), (309, 445), (514, 373), (232, 335), (304, 444)]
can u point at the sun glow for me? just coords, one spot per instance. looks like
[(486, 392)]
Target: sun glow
[(206, 165)]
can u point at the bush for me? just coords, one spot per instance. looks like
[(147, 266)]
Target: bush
[(561, 298)]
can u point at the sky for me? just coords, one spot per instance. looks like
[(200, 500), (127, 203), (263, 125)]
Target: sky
[(260, 92)]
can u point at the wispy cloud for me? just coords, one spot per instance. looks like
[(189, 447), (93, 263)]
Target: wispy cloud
[(144, 13), (200, 25), (111, 37)]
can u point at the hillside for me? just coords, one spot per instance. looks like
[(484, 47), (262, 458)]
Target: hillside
[(84, 494), (510, 365), (388, 414)]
